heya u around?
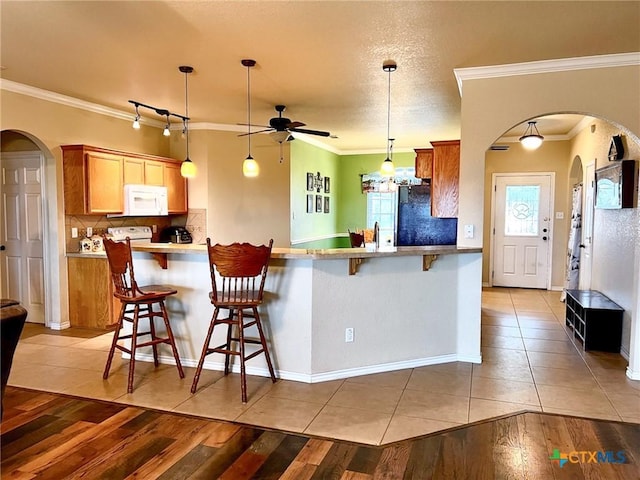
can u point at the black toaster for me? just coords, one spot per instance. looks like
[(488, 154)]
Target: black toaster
[(175, 235)]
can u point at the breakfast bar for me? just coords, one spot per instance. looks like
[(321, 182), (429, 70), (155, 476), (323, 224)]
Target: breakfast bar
[(404, 305)]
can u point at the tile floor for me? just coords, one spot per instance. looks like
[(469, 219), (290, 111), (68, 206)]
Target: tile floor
[(529, 363)]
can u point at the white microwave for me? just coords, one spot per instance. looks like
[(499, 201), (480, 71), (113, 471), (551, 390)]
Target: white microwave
[(145, 200)]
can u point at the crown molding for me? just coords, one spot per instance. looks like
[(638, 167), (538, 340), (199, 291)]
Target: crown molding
[(54, 97), (546, 66)]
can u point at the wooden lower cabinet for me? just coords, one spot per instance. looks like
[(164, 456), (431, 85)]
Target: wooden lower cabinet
[(91, 300)]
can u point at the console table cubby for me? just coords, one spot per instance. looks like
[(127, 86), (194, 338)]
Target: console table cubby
[(595, 320)]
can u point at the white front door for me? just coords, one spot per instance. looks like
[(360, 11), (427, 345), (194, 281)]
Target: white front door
[(522, 230), (21, 232), (586, 246)]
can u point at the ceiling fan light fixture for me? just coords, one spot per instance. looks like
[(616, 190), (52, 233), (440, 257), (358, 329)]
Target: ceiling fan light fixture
[(531, 138), (280, 137)]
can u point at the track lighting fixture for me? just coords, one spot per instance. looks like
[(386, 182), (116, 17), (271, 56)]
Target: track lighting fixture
[(531, 138), (188, 168), (250, 167), (136, 121), (387, 168), (167, 129)]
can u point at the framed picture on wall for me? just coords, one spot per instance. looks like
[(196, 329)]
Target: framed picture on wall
[(327, 185), (319, 203), (310, 182), (310, 203), (326, 204)]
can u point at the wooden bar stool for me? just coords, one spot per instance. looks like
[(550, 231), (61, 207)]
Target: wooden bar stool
[(139, 302), (242, 270)]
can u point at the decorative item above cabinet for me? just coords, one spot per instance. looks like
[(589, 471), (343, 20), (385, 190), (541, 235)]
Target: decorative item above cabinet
[(94, 179)]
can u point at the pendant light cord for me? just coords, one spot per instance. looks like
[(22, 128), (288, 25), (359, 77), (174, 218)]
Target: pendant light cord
[(249, 107), (186, 109), (388, 112)]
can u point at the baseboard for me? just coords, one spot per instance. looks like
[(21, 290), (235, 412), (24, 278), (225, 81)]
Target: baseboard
[(633, 375), (317, 377), (59, 326)]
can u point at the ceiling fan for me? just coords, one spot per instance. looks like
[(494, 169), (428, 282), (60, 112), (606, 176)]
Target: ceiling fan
[(282, 127)]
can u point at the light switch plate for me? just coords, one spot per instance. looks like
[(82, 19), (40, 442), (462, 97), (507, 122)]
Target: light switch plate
[(89, 231), (74, 232), (468, 231)]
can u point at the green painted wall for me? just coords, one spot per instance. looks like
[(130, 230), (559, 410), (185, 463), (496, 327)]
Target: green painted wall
[(353, 203), (348, 205), (306, 158)]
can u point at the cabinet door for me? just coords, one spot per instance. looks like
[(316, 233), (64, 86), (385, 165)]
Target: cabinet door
[(176, 188), (153, 173), (424, 159), (105, 183), (133, 171), (445, 178), (91, 300)]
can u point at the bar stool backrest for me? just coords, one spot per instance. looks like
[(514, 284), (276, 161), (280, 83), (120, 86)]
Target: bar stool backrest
[(242, 271), (121, 267)]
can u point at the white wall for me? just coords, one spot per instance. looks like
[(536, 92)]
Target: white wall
[(490, 106)]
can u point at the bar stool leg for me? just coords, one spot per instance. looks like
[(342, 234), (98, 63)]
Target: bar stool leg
[(227, 356), (114, 342), (172, 340), (243, 374), (205, 348), (264, 344), (152, 331), (134, 338)]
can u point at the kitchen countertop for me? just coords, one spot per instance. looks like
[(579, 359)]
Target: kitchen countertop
[(316, 254)]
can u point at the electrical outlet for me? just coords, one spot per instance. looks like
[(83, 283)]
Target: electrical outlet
[(154, 228), (468, 231), (348, 335), (74, 232), (89, 231)]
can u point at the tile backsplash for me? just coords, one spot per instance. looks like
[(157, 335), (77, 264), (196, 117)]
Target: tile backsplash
[(195, 221)]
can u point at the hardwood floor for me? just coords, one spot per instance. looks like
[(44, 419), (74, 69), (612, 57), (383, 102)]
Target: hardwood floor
[(50, 436)]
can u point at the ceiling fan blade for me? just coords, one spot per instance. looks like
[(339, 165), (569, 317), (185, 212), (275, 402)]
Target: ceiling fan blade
[(310, 132), (253, 125), (295, 124), (257, 131)]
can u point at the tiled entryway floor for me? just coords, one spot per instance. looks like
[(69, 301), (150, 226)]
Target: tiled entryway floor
[(529, 363)]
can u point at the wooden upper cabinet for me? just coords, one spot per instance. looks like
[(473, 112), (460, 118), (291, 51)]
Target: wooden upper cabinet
[(424, 161), (445, 179), (176, 188), (133, 171), (154, 172), (94, 179)]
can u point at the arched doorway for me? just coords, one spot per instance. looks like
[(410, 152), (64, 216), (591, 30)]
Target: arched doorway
[(31, 267)]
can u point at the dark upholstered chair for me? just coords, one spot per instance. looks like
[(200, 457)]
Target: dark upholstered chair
[(12, 319), (238, 273)]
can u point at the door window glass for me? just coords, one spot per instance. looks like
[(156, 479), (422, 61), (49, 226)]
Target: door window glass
[(522, 210)]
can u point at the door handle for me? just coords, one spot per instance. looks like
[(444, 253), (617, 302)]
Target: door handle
[(582, 246), (544, 238)]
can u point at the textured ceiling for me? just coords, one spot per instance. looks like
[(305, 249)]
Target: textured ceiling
[(323, 59)]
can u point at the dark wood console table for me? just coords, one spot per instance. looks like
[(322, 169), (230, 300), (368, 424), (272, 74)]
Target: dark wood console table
[(595, 320)]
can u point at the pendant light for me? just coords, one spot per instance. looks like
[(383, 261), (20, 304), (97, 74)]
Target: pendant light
[(250, 167), (188, 168), (387, 168), (531, 138)]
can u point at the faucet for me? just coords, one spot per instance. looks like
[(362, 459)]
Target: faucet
[(376, 234)]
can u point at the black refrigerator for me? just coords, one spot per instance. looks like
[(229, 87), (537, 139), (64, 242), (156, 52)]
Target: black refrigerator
[(416, 226)]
